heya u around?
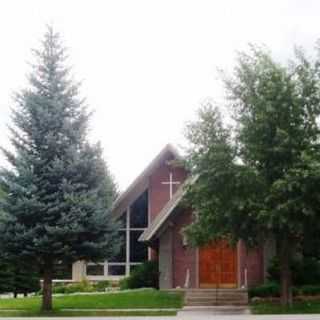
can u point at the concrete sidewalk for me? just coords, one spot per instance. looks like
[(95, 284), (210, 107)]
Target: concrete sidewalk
[(211, 316), (252, 317), (198, 311), (192, 317)]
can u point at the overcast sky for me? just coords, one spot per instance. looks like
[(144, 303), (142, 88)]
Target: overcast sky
[(147, 65)]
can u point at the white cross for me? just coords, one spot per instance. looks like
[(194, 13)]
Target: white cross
[(171, 183)]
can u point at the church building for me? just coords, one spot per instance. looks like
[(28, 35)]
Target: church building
[(153, 217)]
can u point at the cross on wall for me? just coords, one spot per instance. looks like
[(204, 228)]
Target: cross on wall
[(171, 183)]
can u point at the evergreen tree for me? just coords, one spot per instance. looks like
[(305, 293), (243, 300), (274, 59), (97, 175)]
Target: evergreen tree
[(18, 277), (25, 279), (6, 276), (262, 179), (59, 189)]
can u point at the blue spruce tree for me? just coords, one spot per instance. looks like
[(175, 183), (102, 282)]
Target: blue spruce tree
[(59, 189)]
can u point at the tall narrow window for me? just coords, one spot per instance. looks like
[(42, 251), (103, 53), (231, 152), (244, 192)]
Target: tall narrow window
[(139, 212), (138, 223), (138, 250)]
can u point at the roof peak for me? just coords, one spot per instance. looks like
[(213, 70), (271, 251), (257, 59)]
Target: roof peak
[(168, 148)]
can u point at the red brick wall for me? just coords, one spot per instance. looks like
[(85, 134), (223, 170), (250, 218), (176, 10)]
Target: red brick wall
[(184, 258), (159, 193), (252, 260)]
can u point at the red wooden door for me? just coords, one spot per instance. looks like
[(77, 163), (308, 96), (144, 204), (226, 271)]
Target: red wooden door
[(217, 266)]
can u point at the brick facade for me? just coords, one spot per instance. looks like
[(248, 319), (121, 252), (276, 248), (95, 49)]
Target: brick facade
[(252, 263), (158, 192), (184, 257), (183, 261)]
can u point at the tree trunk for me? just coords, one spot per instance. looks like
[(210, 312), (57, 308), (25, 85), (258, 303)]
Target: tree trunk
[(285, 274), (47, 289)]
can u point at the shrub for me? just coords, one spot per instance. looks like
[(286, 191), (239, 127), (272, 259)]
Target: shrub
[(305, 271), (269, 290), (310, 290), (59, 289), (83, 286), (123, 284), (309, 272), (101, 286), (145, 275), (266, 290)]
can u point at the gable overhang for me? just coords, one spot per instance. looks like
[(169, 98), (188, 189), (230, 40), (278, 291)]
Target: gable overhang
[(141, 183)]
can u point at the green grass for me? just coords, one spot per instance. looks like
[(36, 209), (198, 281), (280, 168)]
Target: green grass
[(140, 299), (298, 307), (86, 313)]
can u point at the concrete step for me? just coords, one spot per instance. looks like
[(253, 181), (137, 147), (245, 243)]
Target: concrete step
[(213, 302), (216, 291), (216, 297), (219, 294), (216, 303)]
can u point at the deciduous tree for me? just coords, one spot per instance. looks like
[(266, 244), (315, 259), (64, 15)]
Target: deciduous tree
[(261, 178)]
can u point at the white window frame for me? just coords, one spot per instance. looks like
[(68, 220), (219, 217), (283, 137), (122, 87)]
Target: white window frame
[(127, 262)]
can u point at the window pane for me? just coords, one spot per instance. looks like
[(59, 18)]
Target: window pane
[(121, 256), (116, 270), (95, 270), (139, 212), (138, 250)]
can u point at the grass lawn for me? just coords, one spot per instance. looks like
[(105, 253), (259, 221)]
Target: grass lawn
[(136, 299), (110, 313), (298, 307)]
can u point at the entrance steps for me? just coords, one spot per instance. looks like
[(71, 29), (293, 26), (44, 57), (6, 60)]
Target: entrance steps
[(216, 297)]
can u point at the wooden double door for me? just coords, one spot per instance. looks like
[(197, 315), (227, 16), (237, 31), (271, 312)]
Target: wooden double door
[(218, 266)]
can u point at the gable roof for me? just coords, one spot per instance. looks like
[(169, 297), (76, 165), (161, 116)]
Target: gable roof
[(167, 210), (140, 183)]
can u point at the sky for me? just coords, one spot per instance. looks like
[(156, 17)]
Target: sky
[(146, 66)]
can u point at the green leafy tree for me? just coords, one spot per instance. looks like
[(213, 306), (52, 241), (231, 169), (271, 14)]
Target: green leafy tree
[(59, 189), (262, 177)]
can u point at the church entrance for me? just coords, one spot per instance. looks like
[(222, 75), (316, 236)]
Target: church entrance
[(218, 266)]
